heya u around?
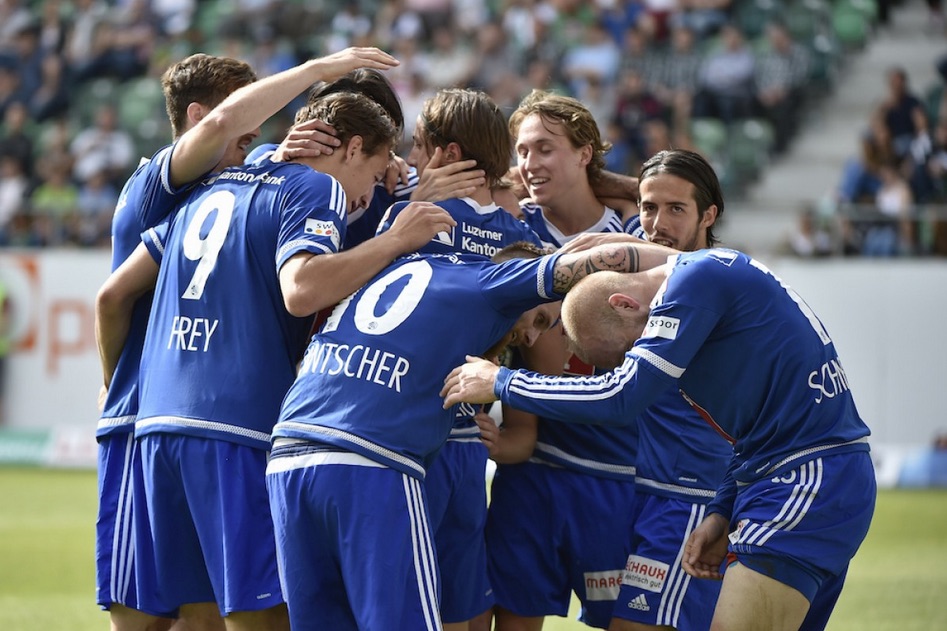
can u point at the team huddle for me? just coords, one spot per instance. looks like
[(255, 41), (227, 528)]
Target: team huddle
[(299, 345)]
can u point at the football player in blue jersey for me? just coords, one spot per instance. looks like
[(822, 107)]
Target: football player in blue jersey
[(402, 183), (754, 361), (558, 487), (193, 88), (465, 124), (681, 459), (363, 421), (220, 248)]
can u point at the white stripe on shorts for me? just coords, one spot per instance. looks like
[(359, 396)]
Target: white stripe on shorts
[(424, 559), (794, 509), (673, 597), (123, 539)]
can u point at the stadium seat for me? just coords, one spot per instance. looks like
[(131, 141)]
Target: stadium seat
[(141, 113), (752, 15), (709, 136), (748, 148), (850, 25)]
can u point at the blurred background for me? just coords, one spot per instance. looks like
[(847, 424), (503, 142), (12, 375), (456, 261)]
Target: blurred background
[(826, 121)]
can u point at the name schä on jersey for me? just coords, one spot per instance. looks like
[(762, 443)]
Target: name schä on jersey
[(356, 362)]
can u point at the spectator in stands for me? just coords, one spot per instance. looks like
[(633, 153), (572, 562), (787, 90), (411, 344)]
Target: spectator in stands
[(860, 181), (95, 206), (919, 154), (936, 165), (16, 140), (595, 58), (781, 73), (898, 108), (894, 232), (725, 83), (53, 27), (80, 46), (635, 107), (102, 146), (677, 82), (704, 17), (10, 91), (124, 43), (14, 189), (639, 54), (53, 203), (28, 58), (811, 237), (51, 98), (450, 62), (14, 14)]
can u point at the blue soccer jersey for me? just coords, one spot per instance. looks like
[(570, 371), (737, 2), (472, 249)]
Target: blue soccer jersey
[(679, 455), (483, 230), (146, 199), (370, 379), (363, 222), (219, 336), (596, 450), (747, 353)]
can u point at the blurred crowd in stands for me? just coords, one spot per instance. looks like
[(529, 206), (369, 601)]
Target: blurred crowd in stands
[(80, 97), (891, 199)]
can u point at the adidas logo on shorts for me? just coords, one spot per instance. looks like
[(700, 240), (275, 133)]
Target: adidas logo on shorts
[(639, 603)]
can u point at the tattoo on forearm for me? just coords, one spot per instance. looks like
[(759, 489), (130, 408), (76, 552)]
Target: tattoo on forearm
[(572, 268)]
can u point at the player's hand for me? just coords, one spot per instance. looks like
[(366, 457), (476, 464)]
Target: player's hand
[(706, 548), (489, 432), (397, 172), (418, 223), (439, 181), (336, 65), (470, 383), (308, 139)]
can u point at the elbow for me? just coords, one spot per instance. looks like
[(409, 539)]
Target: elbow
[(301, 303)]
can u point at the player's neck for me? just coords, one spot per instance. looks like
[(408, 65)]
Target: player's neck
[(575, 212), (482, 196)]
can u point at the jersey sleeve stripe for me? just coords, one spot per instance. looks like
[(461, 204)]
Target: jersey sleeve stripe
[(658, 362)]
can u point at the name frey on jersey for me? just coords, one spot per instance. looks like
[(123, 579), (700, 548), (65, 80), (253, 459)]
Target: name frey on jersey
[(356, 362), (829, 381), (473, 239), (191, 334)]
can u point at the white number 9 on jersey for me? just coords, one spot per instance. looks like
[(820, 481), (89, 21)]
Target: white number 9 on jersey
[(205, 250)]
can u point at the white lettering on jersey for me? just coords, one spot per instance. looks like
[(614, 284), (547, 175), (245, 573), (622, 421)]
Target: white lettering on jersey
[(356, 362), (662, 326), (602, 585), (829, 380), (645, 573), (191, 334), (482, 233), (484, 249)]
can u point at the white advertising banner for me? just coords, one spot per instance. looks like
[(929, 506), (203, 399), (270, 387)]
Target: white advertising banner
[(52, 374)]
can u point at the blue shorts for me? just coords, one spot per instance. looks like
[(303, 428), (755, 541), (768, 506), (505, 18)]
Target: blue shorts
[(804, 526), (550, 532), (354, 543), (457, 502), (210, 521), (120, 555), (655, 588)]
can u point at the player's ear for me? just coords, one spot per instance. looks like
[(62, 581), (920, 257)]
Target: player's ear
[(452, 153), (195, 112), (709, 217), (585, 155), (354, 147), (623, 304)]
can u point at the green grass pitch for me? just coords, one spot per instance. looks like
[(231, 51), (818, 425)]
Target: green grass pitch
[(898, 581)]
